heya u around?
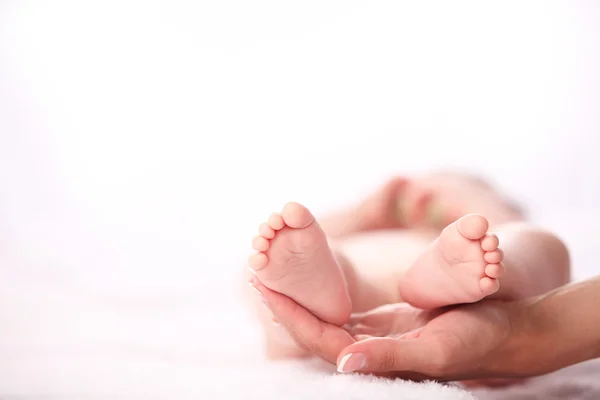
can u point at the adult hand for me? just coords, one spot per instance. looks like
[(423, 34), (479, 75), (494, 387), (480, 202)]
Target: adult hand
[(492, 339), (403, 321), (326, 340), (466, 342)]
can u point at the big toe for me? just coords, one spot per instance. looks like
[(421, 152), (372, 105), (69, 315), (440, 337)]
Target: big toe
[(297, 216), (472, 226)]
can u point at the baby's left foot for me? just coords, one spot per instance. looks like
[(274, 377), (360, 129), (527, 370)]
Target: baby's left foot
[(295, 259), (461, 266)]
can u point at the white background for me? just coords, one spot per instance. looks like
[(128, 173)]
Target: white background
[(141, 143)]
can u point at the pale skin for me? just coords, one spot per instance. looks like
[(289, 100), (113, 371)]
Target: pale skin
[(390, 249), (487, 339)]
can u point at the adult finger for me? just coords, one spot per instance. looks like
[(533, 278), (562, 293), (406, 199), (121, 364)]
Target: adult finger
[(379, 314), (324, 339), (391, 355), (361, 329), (372, 318), (391, 318)]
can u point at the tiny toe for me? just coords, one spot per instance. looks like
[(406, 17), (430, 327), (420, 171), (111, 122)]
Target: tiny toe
[(257, 261), (472, 226), (489, 286), (494, 257), (494, 270), (259, 243), (296, 215), (276, 221), (266, 231), (489, 242)]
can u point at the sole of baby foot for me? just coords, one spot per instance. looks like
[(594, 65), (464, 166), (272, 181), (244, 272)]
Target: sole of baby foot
[(461, 266), (294, 258)]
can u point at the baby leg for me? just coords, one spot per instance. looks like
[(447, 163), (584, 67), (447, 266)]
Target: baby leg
[(397, 204), (463, 265), (536, 261)]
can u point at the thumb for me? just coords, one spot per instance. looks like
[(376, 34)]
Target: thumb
[(388, 355)]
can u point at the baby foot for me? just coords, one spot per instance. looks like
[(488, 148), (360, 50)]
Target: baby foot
[(294, 259), (461, 266)]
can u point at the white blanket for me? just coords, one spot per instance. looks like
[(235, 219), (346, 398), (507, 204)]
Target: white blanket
[(63, 340)]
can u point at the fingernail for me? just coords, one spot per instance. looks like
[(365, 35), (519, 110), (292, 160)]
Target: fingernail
[(252, 271), (352, 362), (255, 289), (253, 284)]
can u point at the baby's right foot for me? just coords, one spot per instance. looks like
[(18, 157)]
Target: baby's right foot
[(294, 259), (462, 266)]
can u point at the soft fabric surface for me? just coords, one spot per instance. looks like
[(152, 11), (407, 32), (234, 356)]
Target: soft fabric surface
[(65, 341)]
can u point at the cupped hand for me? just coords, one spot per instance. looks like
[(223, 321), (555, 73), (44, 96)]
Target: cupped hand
[(467, 342), (399, 320)]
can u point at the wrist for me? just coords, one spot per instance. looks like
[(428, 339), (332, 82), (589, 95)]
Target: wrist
[(517, 355), (530, 341), (548, 334), (529, 344)]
